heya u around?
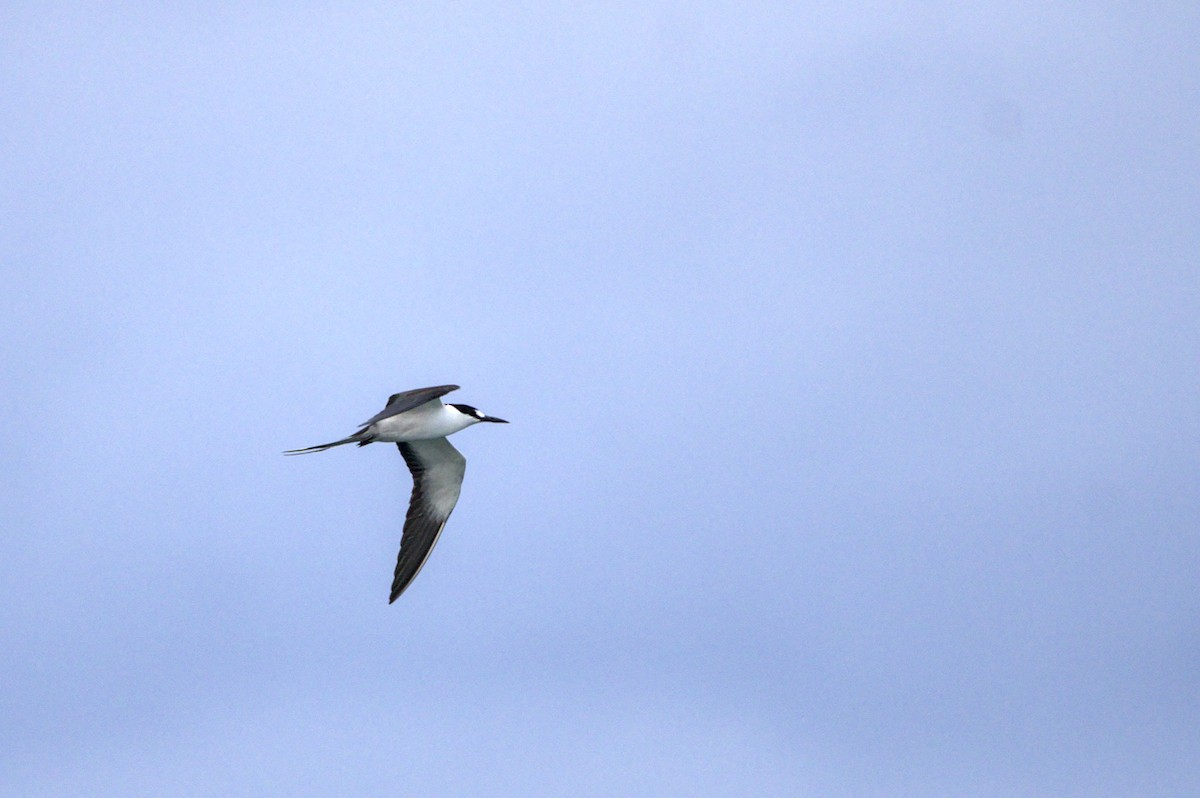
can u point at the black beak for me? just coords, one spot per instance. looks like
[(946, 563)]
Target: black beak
[(494, 420)]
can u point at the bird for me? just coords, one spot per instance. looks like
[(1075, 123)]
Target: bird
[(418, 422)]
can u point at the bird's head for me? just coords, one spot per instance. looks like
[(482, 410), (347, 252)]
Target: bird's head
[(476, 414)]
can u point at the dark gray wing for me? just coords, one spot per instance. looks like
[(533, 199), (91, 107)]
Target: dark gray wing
[(437, 469), (400, 402)]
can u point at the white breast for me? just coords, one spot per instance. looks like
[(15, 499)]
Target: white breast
[(424, 422)]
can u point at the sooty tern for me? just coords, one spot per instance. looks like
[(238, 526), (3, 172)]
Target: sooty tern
[(418, 423)]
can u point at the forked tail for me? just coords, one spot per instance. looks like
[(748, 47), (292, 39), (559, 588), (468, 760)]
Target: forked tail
[(361, 438)]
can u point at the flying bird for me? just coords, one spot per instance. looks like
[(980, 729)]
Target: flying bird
[(418, 423)]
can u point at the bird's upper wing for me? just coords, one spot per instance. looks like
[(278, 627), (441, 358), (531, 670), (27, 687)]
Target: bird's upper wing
[(400, 402), (437, 469)]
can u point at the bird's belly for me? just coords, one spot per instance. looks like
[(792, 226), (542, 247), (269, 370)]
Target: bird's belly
[(398, 429)]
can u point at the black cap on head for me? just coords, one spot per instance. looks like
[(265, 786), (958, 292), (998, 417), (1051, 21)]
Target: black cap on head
[(476, 413)]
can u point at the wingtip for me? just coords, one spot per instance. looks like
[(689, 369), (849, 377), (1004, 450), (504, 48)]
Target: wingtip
[(398, 590)]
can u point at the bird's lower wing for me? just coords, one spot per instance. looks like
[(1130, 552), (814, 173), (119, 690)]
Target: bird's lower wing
[(437, 469)]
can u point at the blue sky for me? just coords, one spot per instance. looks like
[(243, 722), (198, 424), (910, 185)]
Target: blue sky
[(850, 354)]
